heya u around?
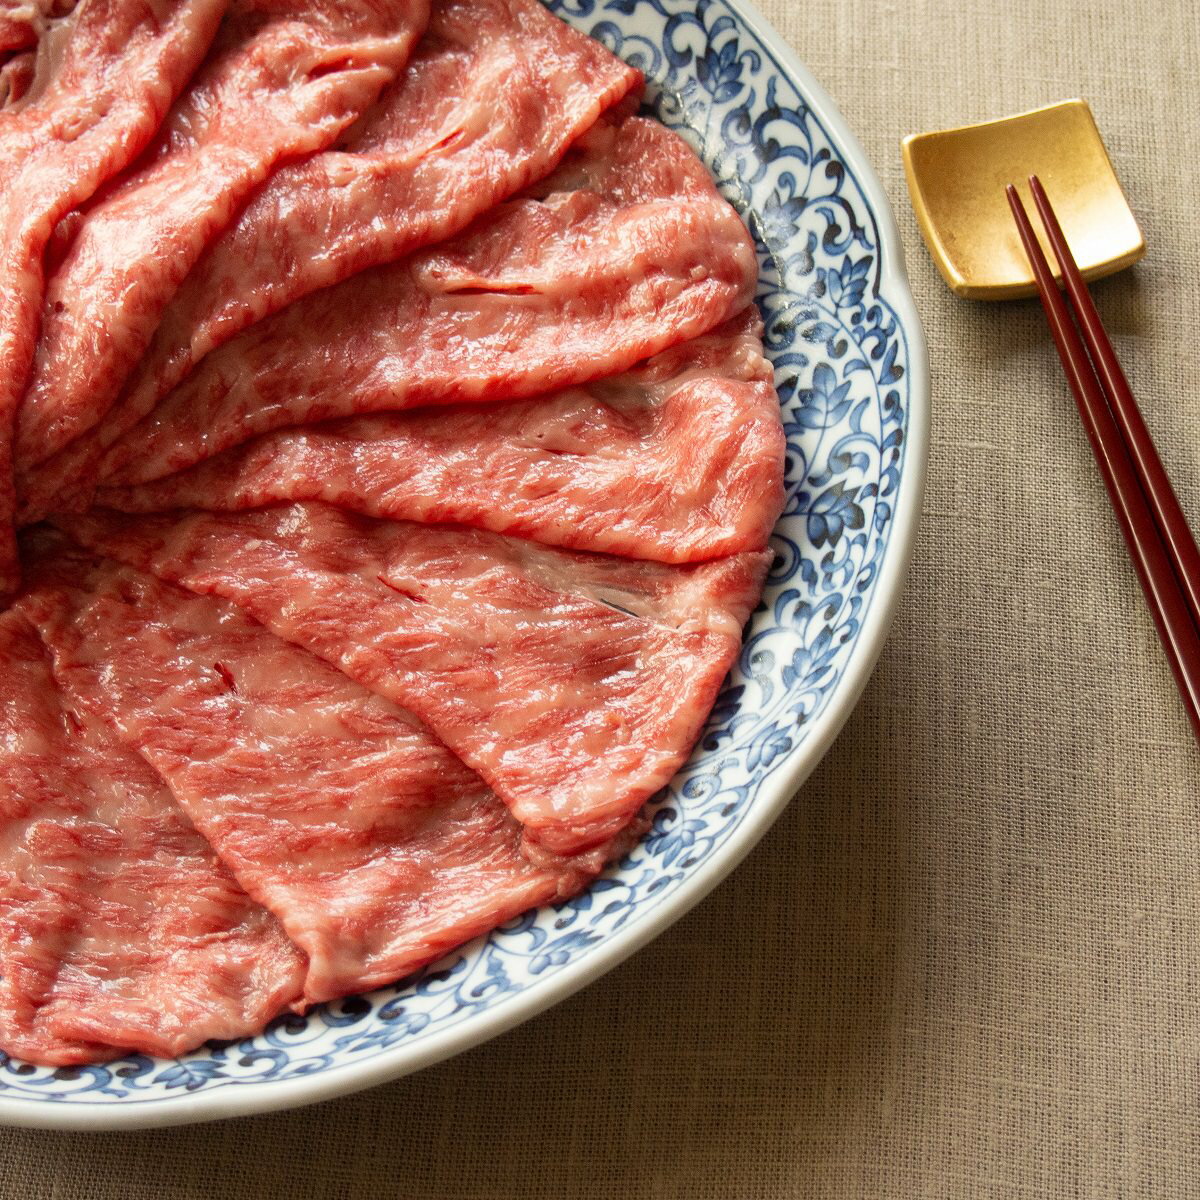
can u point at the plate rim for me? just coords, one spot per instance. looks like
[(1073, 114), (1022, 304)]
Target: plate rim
[(776, 792)]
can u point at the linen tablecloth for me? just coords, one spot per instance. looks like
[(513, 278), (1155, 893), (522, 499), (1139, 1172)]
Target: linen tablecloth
[(966, 962)]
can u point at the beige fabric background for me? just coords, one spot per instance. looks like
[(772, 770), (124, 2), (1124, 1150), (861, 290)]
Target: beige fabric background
[(966, 962)]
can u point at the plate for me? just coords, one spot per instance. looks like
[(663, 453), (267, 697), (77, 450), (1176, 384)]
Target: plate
[(853, 377)]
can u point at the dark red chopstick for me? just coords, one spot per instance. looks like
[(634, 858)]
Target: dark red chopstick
[(1159, 573), (1168, 515)]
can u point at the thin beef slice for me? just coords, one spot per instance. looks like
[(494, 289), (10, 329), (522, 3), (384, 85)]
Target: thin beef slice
[(119, 928), (285, 77), (537, 295), (376, 848), (98, 94), (24, 25), (678, 460), (574, 684), (494, 95)]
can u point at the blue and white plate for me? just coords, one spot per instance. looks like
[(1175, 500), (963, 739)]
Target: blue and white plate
[(850, 364)]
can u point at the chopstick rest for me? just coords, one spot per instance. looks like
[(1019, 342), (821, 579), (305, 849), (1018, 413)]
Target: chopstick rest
[(959, 180), (956, 179)]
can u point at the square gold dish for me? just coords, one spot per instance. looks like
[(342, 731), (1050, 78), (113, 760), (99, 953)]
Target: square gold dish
[(956, 178)]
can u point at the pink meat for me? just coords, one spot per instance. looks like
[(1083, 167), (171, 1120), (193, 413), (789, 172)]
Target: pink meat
[(539, 294), (374, 846), (16, 77), (677, 460), (23, 25), (574, 684), (497, 92), (494, 95), (284, 79), (17, 30), (103, 83), (119, 929)]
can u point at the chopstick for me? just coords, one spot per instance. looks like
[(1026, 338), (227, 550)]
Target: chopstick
[(1160, 495), (1156, 532)]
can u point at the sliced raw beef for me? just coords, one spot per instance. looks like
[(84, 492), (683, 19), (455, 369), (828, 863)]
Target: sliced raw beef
[(539, 294), (96, 98), (119, 928), (494, 95), (374, 846), (574, 684), (284, 79), (16, 76), (677, 460), (18, 28), (23, 25)]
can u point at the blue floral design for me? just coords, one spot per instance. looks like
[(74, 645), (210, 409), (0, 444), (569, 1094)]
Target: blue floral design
[(841, 361)]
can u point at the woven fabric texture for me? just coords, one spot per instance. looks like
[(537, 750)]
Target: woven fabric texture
[(966, 962)]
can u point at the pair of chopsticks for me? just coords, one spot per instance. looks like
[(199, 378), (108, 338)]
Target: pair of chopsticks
[(1156, 532)]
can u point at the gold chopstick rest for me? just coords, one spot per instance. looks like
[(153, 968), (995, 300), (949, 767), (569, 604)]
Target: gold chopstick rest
[(956, 178)]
